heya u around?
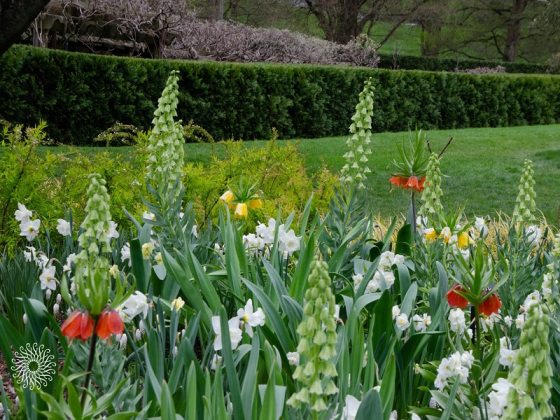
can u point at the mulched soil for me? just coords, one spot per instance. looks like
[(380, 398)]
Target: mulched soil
[(7, 381)]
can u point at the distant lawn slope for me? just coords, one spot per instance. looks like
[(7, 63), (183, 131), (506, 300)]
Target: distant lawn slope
[(481, 167)]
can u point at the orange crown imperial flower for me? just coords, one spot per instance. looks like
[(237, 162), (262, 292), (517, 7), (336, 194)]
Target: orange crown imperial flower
[(491, 305), (109, 323), (408, 183), (454, 299), (78, 325)]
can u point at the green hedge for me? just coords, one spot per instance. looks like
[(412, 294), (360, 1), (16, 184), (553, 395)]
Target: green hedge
[(409, 62), (79, 95)]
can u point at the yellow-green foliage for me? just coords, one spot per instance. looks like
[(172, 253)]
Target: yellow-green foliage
[(278, 170), (54, 181)]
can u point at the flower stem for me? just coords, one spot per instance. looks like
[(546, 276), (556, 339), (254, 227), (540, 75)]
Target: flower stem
[(413, 222), (90, 362)]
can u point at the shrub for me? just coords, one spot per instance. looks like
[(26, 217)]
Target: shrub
[(278, 170), (81, 95), (410, 62), (53, 182)]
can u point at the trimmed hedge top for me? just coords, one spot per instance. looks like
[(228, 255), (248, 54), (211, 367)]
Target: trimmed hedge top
[(409, 62), (80, 95)]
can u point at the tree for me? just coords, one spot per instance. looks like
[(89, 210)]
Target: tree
[(342, 20), (15, 18), (501, 25), (432, 17)]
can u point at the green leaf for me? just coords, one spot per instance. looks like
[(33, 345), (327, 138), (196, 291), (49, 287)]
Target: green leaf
[(167, 404), (370, 407), (272, 316), (405, 240), (250, 379), (231, 373), (387, 391), (191, 394), (137, 261)]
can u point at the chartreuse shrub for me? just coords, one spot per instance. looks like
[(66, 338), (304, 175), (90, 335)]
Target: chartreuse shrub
[(247, 100), (52, 183)]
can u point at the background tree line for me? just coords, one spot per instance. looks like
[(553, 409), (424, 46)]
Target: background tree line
[(509, 30)]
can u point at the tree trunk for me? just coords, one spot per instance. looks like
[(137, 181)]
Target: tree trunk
[(341, 24), (15, 18), (431, 39), (216, 9), (514, 29)]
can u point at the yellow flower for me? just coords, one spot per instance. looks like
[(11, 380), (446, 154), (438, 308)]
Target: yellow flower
[(241, 210), (159, 258), (463, 240), (430, 234), (177, 303), (255, 203), (227, 197)]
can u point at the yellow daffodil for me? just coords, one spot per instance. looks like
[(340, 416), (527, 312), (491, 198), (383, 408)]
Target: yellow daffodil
[(463, 240), (430, 234), (227, 197), (241, 211), (255, 203)]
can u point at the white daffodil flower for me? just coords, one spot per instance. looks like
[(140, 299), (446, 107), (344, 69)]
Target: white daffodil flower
[(30, 229), (63, 227), (136, 304), (250, 319), (48, 278), (351, 407), (112, 232), (22, 214), (421, 323), (235, 333), (402, 322)]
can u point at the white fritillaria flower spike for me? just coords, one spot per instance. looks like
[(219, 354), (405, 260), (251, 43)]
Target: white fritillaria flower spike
[(235, 333), (250, 319)]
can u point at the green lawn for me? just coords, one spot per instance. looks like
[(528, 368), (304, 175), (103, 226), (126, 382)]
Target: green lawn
[(405, 41), (481, 167)]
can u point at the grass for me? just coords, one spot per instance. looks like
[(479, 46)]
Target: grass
[(481, 167), (405, 41)]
